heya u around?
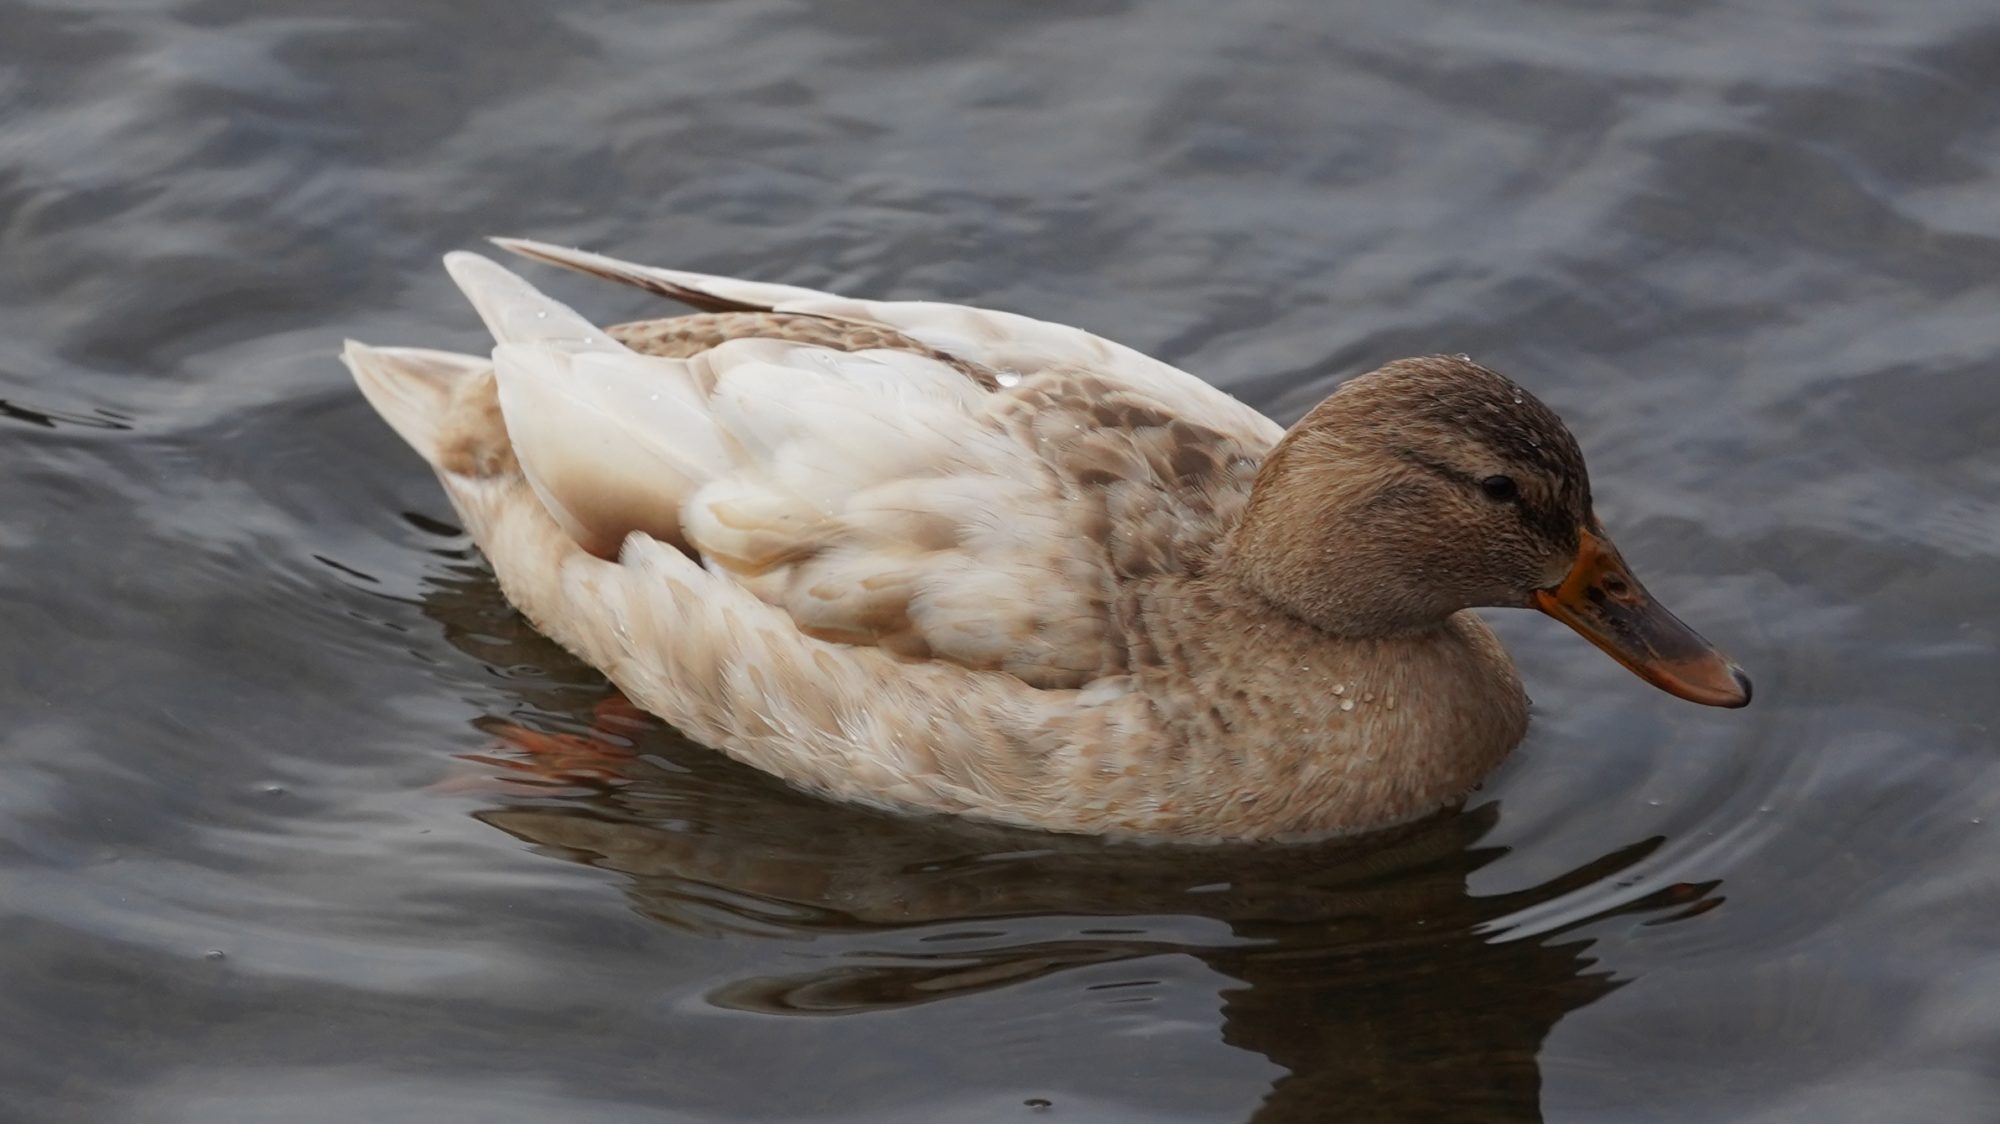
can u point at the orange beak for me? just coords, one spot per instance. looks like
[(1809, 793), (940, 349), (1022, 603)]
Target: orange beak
[(1603, 601)]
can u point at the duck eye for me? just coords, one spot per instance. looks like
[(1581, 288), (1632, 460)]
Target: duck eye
[(1500, 489)]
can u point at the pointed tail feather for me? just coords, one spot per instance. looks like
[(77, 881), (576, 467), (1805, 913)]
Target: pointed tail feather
[(517, 312), (412, 388)]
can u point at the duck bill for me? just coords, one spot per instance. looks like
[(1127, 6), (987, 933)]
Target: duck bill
[(1603, 601)]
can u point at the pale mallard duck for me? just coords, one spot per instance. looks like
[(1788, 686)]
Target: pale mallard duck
[(944, 559)]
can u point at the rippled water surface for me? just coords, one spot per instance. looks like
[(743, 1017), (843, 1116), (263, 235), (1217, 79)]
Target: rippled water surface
[(264, 854)]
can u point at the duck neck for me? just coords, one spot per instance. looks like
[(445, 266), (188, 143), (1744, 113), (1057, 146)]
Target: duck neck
[(1305, 554)]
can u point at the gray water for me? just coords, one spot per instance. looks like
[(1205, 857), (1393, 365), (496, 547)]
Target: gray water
[(268, 850)]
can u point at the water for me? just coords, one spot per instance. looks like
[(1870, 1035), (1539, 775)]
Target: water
[(263, 857)]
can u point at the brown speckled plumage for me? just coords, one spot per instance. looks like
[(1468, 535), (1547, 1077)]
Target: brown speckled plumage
[(952, 560)]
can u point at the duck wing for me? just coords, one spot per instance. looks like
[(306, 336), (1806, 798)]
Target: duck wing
[(1001, 341), (879, 496)]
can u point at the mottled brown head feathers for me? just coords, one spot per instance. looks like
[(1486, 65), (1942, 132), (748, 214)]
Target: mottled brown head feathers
[(1424, 487), (1443, 396)]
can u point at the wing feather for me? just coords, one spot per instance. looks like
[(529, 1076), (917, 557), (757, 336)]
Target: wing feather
[(1004, 341), (879, 497)]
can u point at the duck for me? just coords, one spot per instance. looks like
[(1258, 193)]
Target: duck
[(950, 560)]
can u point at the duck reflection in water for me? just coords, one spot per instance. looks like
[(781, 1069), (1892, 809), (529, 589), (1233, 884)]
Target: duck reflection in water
[(1363, 967)]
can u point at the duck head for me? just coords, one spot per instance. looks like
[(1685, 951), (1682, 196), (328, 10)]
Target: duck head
[(1434, 485)]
